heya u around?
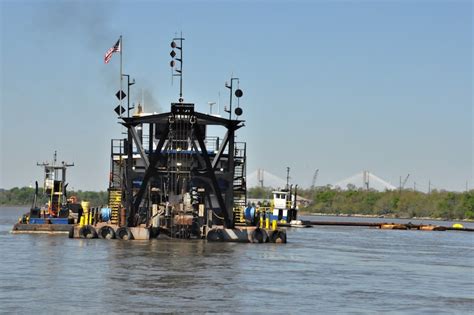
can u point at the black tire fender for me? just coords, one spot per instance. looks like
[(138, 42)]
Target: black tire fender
[(213, 236), (278, 237), (87, 231), (259, 236), (106, 232), (124, 233), (71, 232)]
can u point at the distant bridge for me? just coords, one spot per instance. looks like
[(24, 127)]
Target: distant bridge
[(264, 178), (366, 180)]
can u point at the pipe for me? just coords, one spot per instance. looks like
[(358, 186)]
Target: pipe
[(409, 226)]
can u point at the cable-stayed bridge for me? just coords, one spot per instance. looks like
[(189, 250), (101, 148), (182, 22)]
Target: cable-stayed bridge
[(366, 180), (264, 178)]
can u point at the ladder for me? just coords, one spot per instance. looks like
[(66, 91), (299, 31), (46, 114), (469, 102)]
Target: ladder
[(116, 182), (115, 202), (239, 183)]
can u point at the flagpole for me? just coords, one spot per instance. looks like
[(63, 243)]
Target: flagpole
[(121, 77)]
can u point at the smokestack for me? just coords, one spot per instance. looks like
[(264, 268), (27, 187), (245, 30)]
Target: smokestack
[(139, 111)]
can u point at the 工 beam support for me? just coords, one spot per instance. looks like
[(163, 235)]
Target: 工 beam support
[(228, 220), (155, 157)]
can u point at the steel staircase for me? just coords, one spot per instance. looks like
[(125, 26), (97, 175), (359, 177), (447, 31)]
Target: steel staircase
[(116, 180), (115, 201), (240, 185)]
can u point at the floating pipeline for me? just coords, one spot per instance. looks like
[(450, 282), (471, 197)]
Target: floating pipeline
[(386, 226)]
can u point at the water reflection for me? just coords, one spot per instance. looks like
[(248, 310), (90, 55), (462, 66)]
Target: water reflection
[(330, 269)]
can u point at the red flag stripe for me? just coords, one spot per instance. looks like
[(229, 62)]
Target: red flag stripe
[(116, 48)]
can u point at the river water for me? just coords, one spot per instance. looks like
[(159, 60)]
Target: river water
[(320, 270)]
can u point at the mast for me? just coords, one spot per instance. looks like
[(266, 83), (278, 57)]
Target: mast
[(121, 77)]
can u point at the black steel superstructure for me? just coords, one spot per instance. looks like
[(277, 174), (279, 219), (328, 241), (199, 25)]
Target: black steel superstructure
[(168, 162), (168, 173)]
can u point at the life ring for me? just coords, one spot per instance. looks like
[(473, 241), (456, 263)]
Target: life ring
[(87, 231), (259, 236), (278, 237), (124, 233), (106, 232)]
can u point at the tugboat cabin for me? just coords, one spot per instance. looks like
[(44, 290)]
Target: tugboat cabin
[(284, 206)]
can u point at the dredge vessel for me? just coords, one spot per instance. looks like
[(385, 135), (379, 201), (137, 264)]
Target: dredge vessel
[(170, 178)]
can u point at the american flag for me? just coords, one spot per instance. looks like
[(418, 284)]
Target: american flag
[(108, 55)]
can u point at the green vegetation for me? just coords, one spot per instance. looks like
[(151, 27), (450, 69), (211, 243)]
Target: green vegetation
[(24, 196), (404, 204)]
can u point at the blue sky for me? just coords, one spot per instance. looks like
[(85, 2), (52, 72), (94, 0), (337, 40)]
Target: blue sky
[(341, 86)]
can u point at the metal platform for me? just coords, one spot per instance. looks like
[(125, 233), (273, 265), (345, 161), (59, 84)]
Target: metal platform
[(216, 234), (22, 228)]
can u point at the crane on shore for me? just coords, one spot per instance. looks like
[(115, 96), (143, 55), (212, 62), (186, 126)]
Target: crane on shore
[(315, 177), (402, 185)]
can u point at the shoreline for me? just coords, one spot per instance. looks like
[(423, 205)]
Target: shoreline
[(16, 206), (320, 214)]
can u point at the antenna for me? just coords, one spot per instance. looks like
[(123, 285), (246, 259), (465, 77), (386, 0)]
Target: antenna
[(287, 177), (178, 72), (129, 84), (238, 94)]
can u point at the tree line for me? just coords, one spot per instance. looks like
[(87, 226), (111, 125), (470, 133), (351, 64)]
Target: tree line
[(25, 195), (395, 203)]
